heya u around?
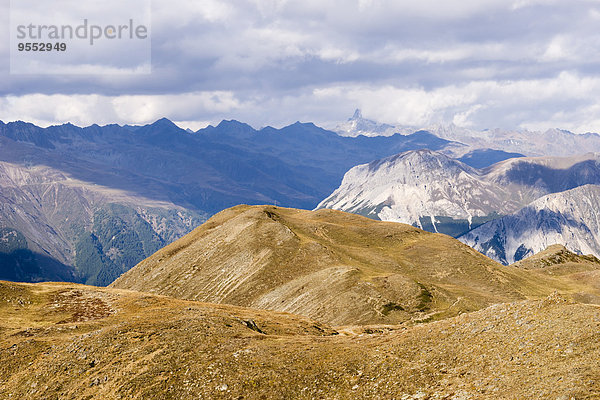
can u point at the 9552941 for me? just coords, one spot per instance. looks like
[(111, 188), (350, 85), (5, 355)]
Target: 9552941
[(38, 46)]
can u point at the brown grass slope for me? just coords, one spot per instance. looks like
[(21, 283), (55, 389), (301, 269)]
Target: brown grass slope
[(558, 261), (66, 341), (332, 266)]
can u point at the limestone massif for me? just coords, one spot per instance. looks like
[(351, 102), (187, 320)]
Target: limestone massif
[(439, 193)]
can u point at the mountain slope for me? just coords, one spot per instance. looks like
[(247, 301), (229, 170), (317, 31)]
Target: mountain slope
[(570, 218), (54, 227), (321, 154), (78, 342), (336, 267), (557, 260), (430, 190)]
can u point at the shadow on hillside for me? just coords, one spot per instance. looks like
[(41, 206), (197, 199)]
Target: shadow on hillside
[(24, 265)]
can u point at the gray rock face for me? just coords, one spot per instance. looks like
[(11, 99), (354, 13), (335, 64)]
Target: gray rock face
[(55, 227), (570, 218), (435, 192)]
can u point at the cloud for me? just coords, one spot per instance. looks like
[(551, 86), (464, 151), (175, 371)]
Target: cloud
[(85, 110), (565, 101), (483, 64)]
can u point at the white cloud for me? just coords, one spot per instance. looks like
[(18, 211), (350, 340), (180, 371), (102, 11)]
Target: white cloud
[(565, 101), (137, 109), (482, 104), (483, 64)]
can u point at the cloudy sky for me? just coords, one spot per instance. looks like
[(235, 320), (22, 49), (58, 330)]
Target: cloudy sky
[(515, 64)]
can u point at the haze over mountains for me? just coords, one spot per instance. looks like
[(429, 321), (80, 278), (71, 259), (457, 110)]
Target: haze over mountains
[(552, 142)]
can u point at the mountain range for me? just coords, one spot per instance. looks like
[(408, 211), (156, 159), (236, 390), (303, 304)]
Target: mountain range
[(424, 316), (359, 126), (82, 342), (551, 142), (430, 190), (86, 204)]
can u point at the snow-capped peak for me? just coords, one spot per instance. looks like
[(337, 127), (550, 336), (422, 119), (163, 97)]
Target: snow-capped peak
[(357, 115)]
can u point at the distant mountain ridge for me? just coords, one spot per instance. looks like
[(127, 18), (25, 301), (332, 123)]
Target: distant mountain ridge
[(551, 142), (295, 165)]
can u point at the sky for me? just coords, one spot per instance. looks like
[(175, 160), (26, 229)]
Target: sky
[(479, 64)]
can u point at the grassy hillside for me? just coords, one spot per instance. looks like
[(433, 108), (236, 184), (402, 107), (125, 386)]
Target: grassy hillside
[(557, 261), (335, 267), (79, 342)]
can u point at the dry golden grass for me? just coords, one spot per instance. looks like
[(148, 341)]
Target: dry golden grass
[(335, 267), (384, 282), (64, 341)]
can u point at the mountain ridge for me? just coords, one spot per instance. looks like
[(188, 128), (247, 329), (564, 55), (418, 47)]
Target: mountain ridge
[(569, 218), (430, 190), (551, 142), (335, 267), (92, 231)]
